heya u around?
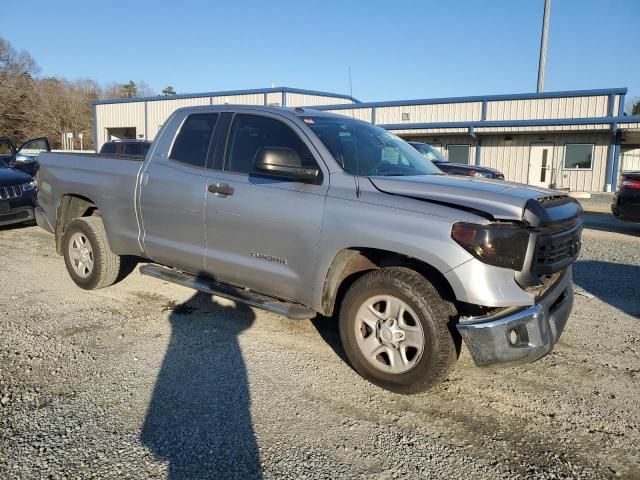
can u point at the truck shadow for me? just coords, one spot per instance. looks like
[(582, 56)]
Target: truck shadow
[(199, 417), (613, 283)]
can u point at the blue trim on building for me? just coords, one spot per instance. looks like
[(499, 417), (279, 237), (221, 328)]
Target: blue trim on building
[(95, 128), (621, 105), (483, 115), (610, 104), (515, 123), (478, 148), (489, 98), (228, 93), (373, 115), (284, 99), (616, 161), (264, 101)]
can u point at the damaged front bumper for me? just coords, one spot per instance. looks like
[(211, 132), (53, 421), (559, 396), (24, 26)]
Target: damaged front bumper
[(513, 337)]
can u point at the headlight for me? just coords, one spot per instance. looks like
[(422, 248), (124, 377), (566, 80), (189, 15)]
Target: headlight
[(499, 244), (32, 185)]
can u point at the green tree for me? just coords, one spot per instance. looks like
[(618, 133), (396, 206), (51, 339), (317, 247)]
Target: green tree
[(635, 110), (168, 91), (130, 90)]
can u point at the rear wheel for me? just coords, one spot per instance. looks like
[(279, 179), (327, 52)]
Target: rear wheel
[(88, 257), (394, 327)]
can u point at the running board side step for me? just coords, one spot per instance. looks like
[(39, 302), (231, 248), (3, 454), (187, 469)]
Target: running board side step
[(207, 285)]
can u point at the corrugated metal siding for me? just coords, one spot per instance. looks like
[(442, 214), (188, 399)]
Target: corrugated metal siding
[(357, 113), (308, 100), (159, 111), (583, 180), (249, 99), (566, 107), (274, 98), (118, 115), (630, 160), (512, 158), (445, 112)]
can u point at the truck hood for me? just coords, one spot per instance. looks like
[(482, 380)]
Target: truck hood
[(499, 199)]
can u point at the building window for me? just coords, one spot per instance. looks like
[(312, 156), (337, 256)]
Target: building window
[(458, 153), (578, 156)]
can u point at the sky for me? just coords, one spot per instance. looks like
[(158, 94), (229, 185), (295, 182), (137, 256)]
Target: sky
[(395, 49)]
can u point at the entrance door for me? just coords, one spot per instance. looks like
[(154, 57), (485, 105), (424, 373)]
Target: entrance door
[(541, 165)]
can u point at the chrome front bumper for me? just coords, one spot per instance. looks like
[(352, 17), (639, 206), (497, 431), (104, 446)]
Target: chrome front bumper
[(522, 336)]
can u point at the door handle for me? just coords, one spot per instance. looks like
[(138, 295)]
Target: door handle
[(221, 189)]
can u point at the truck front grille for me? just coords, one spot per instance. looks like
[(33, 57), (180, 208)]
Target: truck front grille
[(12, 191), (555, 251)]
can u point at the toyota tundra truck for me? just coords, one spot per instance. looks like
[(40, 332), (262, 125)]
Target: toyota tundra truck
[(308, 213)]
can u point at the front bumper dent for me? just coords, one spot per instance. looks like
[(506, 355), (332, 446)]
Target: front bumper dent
[(522, 336)]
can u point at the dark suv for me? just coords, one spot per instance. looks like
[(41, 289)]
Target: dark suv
[(626, 203), (17, 186), (455, 168), (134, 148)]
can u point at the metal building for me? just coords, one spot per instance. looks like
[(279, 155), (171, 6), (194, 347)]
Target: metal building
[(143, 117), (577, 140)]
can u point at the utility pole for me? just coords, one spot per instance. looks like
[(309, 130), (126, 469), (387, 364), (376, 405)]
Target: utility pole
[(543, 45)]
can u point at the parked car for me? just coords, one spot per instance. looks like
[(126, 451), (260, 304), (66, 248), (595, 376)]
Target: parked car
[(626, 202), (303, 212), (17, 185), (455, 168), (24, 158), (136, 148)]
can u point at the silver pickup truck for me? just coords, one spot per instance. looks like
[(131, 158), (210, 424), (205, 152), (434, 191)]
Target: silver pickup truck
[(302, 213)]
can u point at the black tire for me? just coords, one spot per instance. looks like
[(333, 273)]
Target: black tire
[(434, 313), (107, 266)]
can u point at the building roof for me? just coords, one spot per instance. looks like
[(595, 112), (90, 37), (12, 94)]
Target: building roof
[(226, 93)]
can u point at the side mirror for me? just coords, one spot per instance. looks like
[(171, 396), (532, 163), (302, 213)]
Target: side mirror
[(20, 159), (283, 162)]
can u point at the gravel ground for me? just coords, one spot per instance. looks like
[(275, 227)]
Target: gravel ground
[(149, 380)]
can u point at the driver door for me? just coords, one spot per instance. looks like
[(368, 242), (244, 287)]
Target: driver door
[(262, 232), (26, 158)]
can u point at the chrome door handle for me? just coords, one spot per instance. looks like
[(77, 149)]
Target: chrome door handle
[(221, 189)]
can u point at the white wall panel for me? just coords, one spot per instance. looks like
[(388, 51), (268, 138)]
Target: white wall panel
[(444, 112), (159, 110), (563, 107), (118, 115)]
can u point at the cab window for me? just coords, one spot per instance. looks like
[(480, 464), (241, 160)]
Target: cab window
[(250, 133), (192, 143)]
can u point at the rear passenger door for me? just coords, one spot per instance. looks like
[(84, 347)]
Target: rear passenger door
[(262, 232), (172, 195)]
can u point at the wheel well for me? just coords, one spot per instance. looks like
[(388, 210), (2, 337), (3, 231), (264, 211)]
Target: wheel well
[(71, 207), (351, 263)]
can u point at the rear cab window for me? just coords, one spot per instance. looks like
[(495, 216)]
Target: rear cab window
[(108, 148), (137, 149), (193, 141)]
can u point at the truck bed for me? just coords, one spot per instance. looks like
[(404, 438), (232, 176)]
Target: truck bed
[(103, 179)]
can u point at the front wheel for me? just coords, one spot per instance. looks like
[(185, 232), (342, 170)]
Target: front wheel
[(394, 327), (88, 257)]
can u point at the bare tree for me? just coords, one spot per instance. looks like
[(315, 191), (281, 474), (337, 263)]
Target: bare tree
[(33, 106)]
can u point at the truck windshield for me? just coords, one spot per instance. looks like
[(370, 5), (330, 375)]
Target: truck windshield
[(363, 149)]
